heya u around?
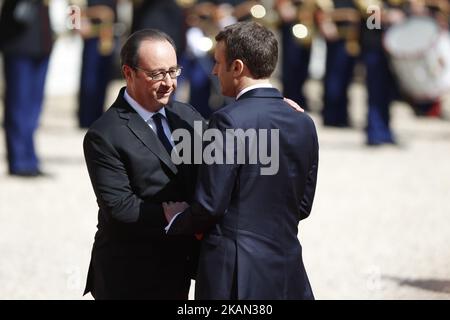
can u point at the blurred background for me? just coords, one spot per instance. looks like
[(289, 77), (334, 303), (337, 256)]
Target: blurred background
[(374, 75)]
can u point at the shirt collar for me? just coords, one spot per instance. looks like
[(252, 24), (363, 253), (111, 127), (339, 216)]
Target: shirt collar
[(145, 114), (255, 86)]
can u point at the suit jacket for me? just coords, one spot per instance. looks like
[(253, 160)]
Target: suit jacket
[(132, 174), (251, 249)]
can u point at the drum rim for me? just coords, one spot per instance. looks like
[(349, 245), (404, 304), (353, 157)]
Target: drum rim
[(423, 97)]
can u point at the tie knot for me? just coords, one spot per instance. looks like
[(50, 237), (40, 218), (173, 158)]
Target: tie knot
[(157, 117)]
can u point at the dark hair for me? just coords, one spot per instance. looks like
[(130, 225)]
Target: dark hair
[(129, 53), (252, 43)]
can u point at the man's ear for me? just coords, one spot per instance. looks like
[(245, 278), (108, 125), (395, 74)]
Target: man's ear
[(126, 71), (238, 67)]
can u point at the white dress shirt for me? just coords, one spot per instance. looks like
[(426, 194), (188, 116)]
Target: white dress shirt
[(147, 116), (255, 86)]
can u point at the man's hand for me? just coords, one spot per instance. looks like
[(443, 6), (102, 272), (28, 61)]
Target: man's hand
[(172, 208), (294, 105)]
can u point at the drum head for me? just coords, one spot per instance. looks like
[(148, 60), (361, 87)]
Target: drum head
[(411, 37)]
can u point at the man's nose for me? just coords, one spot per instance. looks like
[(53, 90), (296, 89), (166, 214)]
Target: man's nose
[(167, 79)]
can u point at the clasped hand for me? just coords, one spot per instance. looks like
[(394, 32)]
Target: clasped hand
[(172, 208)]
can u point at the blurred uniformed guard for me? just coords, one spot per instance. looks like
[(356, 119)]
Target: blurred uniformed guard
[(204, 20), (197, 61), (164, 15), (26, 41), (339, 22), (97, 59), (295, 46), (381, 86)]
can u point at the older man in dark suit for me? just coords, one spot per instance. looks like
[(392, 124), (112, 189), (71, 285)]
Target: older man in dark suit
[(248, 212), (127, 153)]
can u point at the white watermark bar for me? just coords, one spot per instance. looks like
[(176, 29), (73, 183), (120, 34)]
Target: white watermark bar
[(232, 146)]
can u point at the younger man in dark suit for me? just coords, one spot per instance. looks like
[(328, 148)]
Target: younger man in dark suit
[(249, 212)]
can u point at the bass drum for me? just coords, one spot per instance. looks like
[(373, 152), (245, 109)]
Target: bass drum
[(419, 53)]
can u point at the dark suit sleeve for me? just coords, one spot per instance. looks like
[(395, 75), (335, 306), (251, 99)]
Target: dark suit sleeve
[(112, 187), (215, 186), (311, 180)]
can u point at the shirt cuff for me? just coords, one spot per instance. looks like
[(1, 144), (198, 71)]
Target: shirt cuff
[(171, 221)]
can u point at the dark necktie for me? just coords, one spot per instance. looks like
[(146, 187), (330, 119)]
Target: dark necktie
[(157, 117)]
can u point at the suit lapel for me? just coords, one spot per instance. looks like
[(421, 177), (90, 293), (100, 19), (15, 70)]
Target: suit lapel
[(143, 132), (150, 139), (175, 122)]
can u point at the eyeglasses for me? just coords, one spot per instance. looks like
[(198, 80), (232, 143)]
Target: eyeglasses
[(161, 75)]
